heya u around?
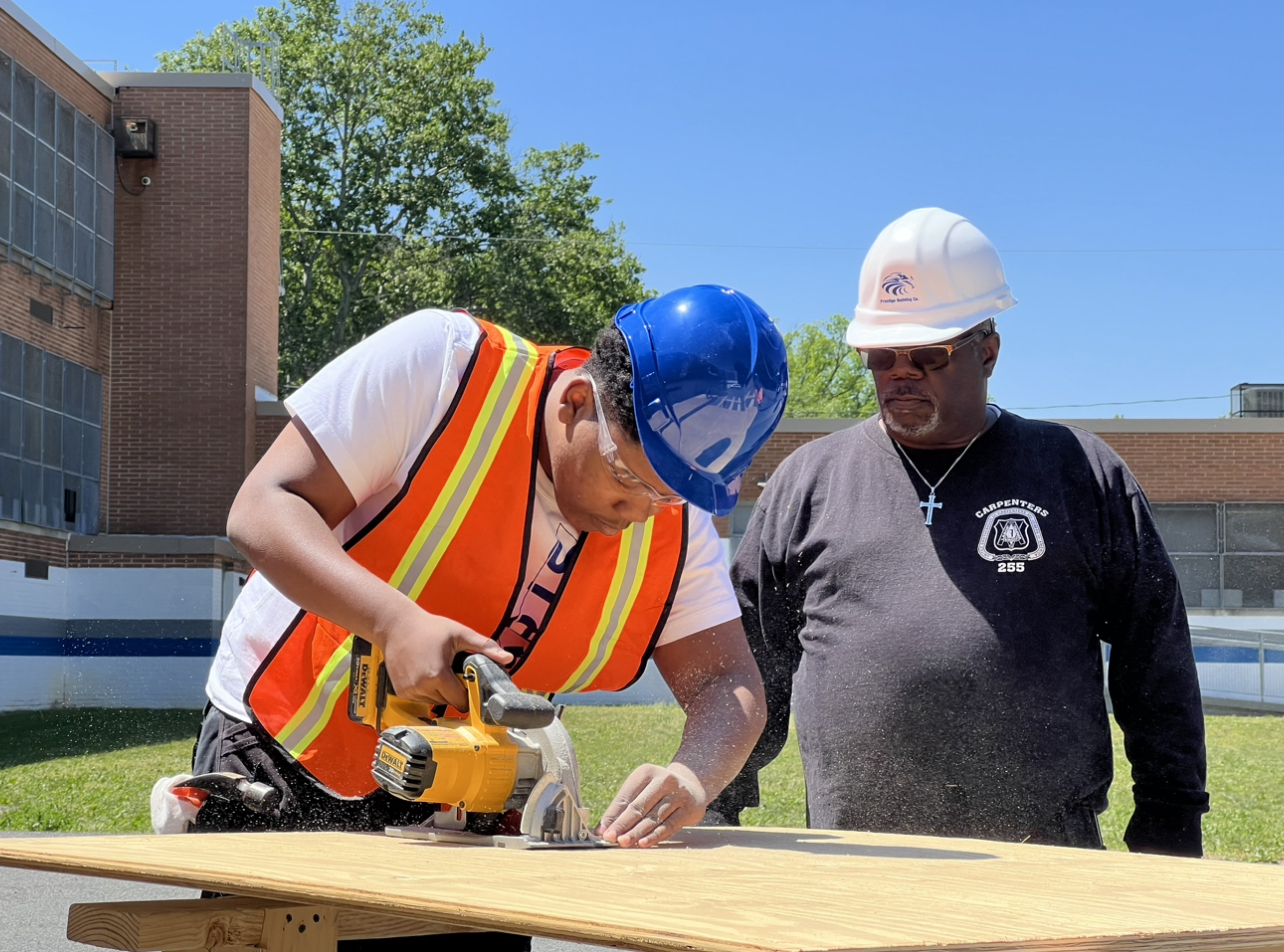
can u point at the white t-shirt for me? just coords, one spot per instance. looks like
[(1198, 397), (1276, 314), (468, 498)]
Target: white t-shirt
[(371, 410)]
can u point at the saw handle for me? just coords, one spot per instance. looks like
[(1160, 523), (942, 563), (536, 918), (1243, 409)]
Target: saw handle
[(502, 703)]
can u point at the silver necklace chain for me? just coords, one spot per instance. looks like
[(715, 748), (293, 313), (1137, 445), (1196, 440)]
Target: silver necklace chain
[(931, 503)]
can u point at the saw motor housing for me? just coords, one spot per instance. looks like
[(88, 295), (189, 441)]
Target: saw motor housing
[(480, 763)]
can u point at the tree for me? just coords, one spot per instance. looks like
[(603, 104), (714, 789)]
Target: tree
[(826, 377), (561, 289), (398, 190)]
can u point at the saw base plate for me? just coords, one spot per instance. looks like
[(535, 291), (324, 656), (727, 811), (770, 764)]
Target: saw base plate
[(464, 838)]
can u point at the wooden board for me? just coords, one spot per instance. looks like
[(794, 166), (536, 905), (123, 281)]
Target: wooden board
[(727, 890)]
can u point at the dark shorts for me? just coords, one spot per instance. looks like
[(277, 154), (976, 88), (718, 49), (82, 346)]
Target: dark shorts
[(226, 744)]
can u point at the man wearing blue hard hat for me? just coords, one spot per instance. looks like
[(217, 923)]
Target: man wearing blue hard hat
[(445, 487)]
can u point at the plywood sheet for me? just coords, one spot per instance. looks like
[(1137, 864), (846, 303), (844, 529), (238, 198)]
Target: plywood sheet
[(730, 890)]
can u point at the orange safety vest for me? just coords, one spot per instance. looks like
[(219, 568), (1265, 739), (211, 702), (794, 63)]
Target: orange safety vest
[(455, 540)]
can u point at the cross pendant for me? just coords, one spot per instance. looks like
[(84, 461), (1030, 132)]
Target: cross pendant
[(929, 506)]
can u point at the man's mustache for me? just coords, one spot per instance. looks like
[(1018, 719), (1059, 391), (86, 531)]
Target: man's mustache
[(907, 390)]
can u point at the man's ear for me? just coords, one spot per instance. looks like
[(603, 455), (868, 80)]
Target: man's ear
[(990, 353), (576, 402)]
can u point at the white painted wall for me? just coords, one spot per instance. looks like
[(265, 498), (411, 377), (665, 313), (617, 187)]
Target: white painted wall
[(1242, 681), (38, 683), (28, 682), (143, 593), (191, 594), (32, 597), (181, 594)]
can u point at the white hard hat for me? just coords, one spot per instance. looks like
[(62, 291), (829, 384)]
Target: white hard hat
[(930, 275)]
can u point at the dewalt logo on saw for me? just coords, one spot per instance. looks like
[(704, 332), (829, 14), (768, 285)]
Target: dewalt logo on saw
[(361, 696), (392, 759), (367, 674)]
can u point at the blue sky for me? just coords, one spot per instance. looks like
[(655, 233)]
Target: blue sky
[(1124, 157)]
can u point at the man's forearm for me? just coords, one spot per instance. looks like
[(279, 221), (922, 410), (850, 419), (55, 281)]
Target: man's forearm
[(723, 724), (714, 678), (286, 539), (283, 520)]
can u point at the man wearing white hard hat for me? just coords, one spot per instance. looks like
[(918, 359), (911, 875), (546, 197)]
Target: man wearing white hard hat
[(935, 584)]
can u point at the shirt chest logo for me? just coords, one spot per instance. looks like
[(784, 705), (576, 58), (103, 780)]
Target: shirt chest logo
[(1011, 534)]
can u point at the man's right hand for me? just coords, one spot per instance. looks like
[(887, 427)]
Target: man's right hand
[(419, 650)]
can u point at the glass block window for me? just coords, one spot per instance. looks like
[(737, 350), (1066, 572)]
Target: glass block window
[(57, 188), (50, 439), (1227, 555)]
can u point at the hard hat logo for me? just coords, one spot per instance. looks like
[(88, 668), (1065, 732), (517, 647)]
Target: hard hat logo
[(929, 276), (898, 284)]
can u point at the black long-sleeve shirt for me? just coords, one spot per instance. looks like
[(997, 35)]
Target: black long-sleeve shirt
[(947, 679)]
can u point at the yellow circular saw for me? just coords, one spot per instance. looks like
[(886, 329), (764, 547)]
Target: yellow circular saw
[(510, 752)]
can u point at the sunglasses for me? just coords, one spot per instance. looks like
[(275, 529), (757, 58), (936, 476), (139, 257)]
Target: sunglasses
[(931, 357), (629, 480)]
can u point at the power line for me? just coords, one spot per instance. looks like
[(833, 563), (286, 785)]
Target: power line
[(1132, 251), (1122, 403), (690, 244)]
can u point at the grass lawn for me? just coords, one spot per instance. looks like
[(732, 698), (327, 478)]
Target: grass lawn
[(92, 770), (88, 770)]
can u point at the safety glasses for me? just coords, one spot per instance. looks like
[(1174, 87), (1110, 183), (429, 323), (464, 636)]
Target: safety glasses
[(629, 480), (931, 357)]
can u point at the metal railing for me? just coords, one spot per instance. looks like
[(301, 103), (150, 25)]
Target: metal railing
[(1242, 669), (260, 57)]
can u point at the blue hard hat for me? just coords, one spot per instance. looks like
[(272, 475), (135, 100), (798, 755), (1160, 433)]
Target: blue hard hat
[(710, 381)]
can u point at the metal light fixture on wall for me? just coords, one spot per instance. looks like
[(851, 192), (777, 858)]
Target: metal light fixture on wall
[(136, 139)]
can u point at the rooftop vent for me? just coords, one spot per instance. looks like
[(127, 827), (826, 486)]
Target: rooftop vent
[(1257, 400)]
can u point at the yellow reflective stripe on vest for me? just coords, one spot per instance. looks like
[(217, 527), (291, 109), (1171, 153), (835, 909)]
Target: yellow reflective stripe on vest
[(314, 713), (630, 570), (506, 396)]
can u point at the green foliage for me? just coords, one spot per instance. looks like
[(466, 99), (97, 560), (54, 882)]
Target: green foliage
[(398, 190), (826, 377), (551, 291), (92, 771)]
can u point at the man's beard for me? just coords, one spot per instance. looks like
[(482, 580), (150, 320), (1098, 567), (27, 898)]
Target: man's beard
[(915, 429)]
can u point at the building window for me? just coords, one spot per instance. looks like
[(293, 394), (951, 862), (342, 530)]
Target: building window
[(51, 413), (1228, 555), (57, 187)]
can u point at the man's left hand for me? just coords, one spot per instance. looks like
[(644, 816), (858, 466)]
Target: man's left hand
[(653, 804)]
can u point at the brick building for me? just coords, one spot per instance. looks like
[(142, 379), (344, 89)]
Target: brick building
[(138, 330)]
